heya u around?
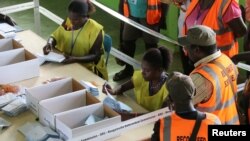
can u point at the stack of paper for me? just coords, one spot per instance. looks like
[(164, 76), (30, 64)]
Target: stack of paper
[(93, 119), (37, 132), (7, 31), (90, 87), (52, 57), (15, 107), (6, 99), (114, 104)]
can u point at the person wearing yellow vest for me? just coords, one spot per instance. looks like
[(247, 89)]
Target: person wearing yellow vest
[(181, 123), (148, 83), (149, 13), (224, 17), (80, 39), (215, 75)]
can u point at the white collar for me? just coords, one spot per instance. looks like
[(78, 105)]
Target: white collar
[(208, 58)]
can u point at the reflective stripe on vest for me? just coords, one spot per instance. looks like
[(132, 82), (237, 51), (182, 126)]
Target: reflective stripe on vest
[(125, 8), (222, 100), (153, 11), (214, 19), (165, 133)]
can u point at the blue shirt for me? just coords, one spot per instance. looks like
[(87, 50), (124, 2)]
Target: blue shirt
[(138, 8)]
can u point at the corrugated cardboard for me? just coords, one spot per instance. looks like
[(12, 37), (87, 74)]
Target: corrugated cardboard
[(53, 89), (49, 107), (70, 124), (9, 44), (16, 65)]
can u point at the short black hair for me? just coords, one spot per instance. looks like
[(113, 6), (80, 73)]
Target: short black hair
[(208, 50), (159, 57), (79, 7)]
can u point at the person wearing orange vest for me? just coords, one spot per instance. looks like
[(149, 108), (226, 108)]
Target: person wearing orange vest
[(223, 16), (149, 13), (215, 75), (182, 122)]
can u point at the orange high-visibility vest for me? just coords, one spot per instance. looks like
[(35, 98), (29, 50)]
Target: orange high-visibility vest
[(175, 128), (153, 11), (226, 41), (223, 99)]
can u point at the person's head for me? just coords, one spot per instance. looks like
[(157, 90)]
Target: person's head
[(154, 62), (199, 42), (181, 89), (79, 11)]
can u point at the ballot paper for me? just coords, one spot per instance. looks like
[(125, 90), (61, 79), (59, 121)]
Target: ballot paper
[(16, 107), (114, 104), (90, 87), (4, 27), (34, 131), (92, 119), (51, 57), (7, 31), (6, 99)]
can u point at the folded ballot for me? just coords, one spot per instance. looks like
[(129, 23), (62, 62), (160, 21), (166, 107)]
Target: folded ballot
[(51, 57), (34, 131), (6, 99), (15, 107), (114, 104), (92, 119), (90, 87)]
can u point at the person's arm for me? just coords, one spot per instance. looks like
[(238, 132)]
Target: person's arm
[(156, 135), (244, 56), (50, 45), (124, 87), (233, 18), (129, 115), (94, 54), (247, 10), (238, 27), (203, 88), (120, 89)]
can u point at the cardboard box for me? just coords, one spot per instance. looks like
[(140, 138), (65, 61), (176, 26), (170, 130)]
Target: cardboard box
[(9, 44), (70, 124), (49, 107), (53, 89), (17, 65)]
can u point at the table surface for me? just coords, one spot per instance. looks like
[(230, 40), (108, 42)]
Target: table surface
[(34, 43)]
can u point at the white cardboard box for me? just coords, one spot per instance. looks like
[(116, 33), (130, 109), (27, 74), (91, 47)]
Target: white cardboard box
[(9, 44), (49, 90), (16, 65), (49, 107), (70, 124)]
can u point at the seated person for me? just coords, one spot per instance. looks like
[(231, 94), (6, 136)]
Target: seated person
[(181, 90), (80, 39), (148, 83)]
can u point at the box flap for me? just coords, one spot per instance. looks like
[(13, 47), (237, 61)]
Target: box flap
[(64, 102), (6, 44), (56, 88), (12, 56)]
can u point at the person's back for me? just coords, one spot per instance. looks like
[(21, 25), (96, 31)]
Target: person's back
[(181, 124)]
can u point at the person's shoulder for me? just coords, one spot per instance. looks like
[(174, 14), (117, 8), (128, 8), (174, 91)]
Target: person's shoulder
[(93, 22)]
